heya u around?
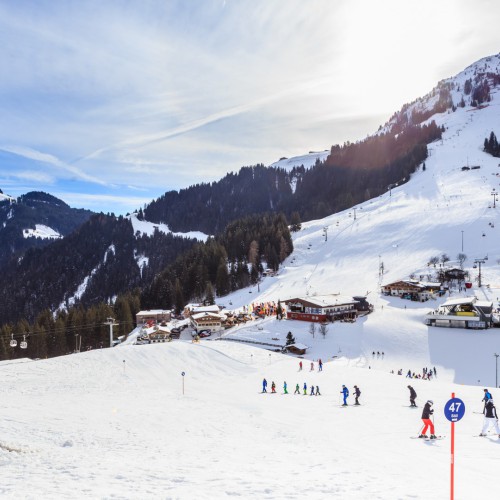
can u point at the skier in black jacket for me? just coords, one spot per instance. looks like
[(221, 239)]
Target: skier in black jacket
[(426, 418), (490, 418), (357, 393), (413, 396)]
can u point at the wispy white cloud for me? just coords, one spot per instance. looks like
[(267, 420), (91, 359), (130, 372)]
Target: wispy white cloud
[(156, 94), (49, 159)]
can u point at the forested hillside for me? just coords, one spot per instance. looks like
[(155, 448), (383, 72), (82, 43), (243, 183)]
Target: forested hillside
[(352, 173), (28, 211)]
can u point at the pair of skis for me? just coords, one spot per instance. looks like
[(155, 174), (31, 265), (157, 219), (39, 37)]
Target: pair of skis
[(427, 438)]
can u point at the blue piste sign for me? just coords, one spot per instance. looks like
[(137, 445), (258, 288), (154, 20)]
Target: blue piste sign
[(454, 409)]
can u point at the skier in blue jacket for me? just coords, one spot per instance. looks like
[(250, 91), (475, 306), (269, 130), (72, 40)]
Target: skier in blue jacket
[(345, 392), (264, 385)]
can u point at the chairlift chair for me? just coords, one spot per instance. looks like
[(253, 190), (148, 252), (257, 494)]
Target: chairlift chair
[(13, 341), (23, 344)]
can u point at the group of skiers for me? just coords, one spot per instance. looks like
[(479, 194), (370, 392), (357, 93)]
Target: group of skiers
[(345, 395), (320, 366), (314, 391), (489, 412)]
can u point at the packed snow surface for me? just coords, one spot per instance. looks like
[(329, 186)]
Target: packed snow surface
[(114, 423)]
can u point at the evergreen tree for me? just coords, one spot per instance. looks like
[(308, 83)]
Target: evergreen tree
[(179, 297), (209, 294), (222, 282), (295, 222)]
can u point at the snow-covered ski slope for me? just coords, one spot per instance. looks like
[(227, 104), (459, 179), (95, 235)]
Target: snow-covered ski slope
[(114, 423), (432, 214)]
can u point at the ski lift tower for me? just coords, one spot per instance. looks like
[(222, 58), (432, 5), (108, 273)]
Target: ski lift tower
[(111, 323), (495, 197), (477, 263)]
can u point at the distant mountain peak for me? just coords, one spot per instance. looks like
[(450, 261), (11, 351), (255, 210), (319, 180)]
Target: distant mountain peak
[(34, 197)]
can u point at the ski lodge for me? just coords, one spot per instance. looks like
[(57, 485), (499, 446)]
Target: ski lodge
[(152, 315), (321, 308), (411, 289), (465, 312), (207, 321), (191, 309)]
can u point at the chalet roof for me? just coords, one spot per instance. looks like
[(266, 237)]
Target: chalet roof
[(206, 315), (149, 312), (298, 346), (323, 300), (211, 309)]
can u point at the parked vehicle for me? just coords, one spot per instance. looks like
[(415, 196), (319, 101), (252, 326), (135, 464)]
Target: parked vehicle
[(204, 333)]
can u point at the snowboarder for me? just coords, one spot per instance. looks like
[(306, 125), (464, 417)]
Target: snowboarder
[(300, 366), (264, 385), (490, 418), (320, 365), (305, 389), (345, 392), (273, 387), (317, 391), (487, 397), (357, 393), (297, 389), (312, 390), (426, 419), (285, 387), (413, 396), (312, 366)]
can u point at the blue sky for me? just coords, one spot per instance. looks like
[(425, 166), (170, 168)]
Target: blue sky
[(108, 104)]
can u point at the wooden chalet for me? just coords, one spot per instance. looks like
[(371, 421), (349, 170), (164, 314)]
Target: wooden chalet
[(411, 289), (207, 321), (321, 308), (153, 316), (299, 349), (191, 309)]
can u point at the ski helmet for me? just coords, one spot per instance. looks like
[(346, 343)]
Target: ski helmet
[(430, 402)]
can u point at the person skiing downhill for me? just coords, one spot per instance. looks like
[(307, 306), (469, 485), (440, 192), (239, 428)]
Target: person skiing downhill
[(357, 393), (345, 392), (426, 419), (317, 391), (413, 396), (305, 389), (312, 366), (490, 418), (273, 386), (285, 387), (264, 385), (297, 389), (312, 390), (320, 365), (300, 366)]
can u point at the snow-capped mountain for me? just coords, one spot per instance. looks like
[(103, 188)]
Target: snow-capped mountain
[(33, 220)]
